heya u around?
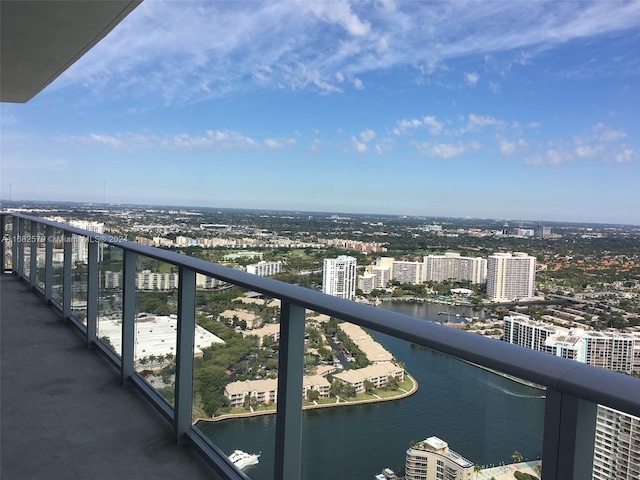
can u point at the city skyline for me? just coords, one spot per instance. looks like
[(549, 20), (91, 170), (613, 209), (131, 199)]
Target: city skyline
[(487, 110)]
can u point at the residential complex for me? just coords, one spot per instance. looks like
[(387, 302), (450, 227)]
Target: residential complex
[(431, 459), (617, 441), (264, 269), (510, 276), (339, 277), (451, 266), (407, 272), (611, 349)]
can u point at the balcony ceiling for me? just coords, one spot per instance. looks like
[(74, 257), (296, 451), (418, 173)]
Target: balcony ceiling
[(40, 39)]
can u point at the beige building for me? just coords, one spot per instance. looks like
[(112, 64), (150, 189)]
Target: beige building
[(266, 391), (373, 350), (378, 374), (269, 330), (252, 320), (432, 459)]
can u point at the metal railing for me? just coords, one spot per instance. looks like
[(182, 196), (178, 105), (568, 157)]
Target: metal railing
[(574, 390)]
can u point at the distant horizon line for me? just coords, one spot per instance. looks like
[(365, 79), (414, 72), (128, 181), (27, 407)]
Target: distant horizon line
[(394, 215)]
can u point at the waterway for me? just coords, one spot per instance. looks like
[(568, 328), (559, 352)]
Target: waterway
[(483, 416)]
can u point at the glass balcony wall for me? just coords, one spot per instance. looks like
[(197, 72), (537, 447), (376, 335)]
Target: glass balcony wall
[(569, 402), (57, 265), (79, 269), (41, 242), (157, 285), (110, 297)]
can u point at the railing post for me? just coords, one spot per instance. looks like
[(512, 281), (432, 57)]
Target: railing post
[(33, 255), (67, 284), (569, 437), (48, 264), (20, 241), (93, 274), (184, 353), (128, 314), (14, 246), (289, 413)]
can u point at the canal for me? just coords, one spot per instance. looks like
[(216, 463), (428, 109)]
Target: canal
[(484, 417)]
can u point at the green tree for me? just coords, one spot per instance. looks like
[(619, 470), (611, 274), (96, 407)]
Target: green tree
[(516, 456), (313, 395), (368, 386)]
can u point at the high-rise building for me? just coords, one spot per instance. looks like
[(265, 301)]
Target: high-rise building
[(407, 272), (80, 245), (451, 266), (366, 282), (543, 232), (617, 441), (339, 277), (617, 446), (510, 276), (383, 276), (431, 459)]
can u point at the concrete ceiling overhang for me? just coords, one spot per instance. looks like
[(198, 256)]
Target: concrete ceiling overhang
[(40, 39)]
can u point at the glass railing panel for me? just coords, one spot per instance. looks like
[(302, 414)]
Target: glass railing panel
[(25, 245), (41, 254), (382, 394), (79, 269), (110, 297), (57, 265), (7, 242), (156, 324), (235, 382)]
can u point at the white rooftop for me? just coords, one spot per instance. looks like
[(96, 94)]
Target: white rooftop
[(155, 335)]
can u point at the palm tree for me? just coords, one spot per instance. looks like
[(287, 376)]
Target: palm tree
[(477, 469), (517, 456)]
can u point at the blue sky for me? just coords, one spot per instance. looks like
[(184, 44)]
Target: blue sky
[(510, 110)]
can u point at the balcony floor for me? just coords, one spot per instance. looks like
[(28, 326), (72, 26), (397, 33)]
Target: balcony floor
[(64, 413)]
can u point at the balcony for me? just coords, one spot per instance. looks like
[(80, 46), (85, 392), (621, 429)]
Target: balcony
[(87, 405)]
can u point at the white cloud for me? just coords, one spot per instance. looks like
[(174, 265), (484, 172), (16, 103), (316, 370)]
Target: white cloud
[(436, 126), (188, 51), (220, 139), (481, 121), (446, 151), (108, 140), (367, 135), (385, 145), (472, 78), (625, 156), (357, 83), (601, 152), (509, 148), (604, 133), (360, 147), (405, 127)]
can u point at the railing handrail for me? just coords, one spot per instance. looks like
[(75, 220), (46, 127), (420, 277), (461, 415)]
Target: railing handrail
[(597, 385)]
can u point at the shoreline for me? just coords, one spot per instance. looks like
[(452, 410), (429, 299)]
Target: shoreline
[(341, 403)]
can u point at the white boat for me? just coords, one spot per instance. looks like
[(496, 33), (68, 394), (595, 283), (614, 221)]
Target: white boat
[(387, 474), (243, 459)]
